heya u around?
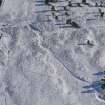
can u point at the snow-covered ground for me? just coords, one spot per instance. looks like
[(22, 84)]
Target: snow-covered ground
[(44, 61)]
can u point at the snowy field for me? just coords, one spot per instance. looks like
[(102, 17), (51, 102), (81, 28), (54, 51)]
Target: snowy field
[(47, 60)]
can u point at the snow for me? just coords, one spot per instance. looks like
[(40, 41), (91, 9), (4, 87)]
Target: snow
[(101, 59), (42, 63)]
